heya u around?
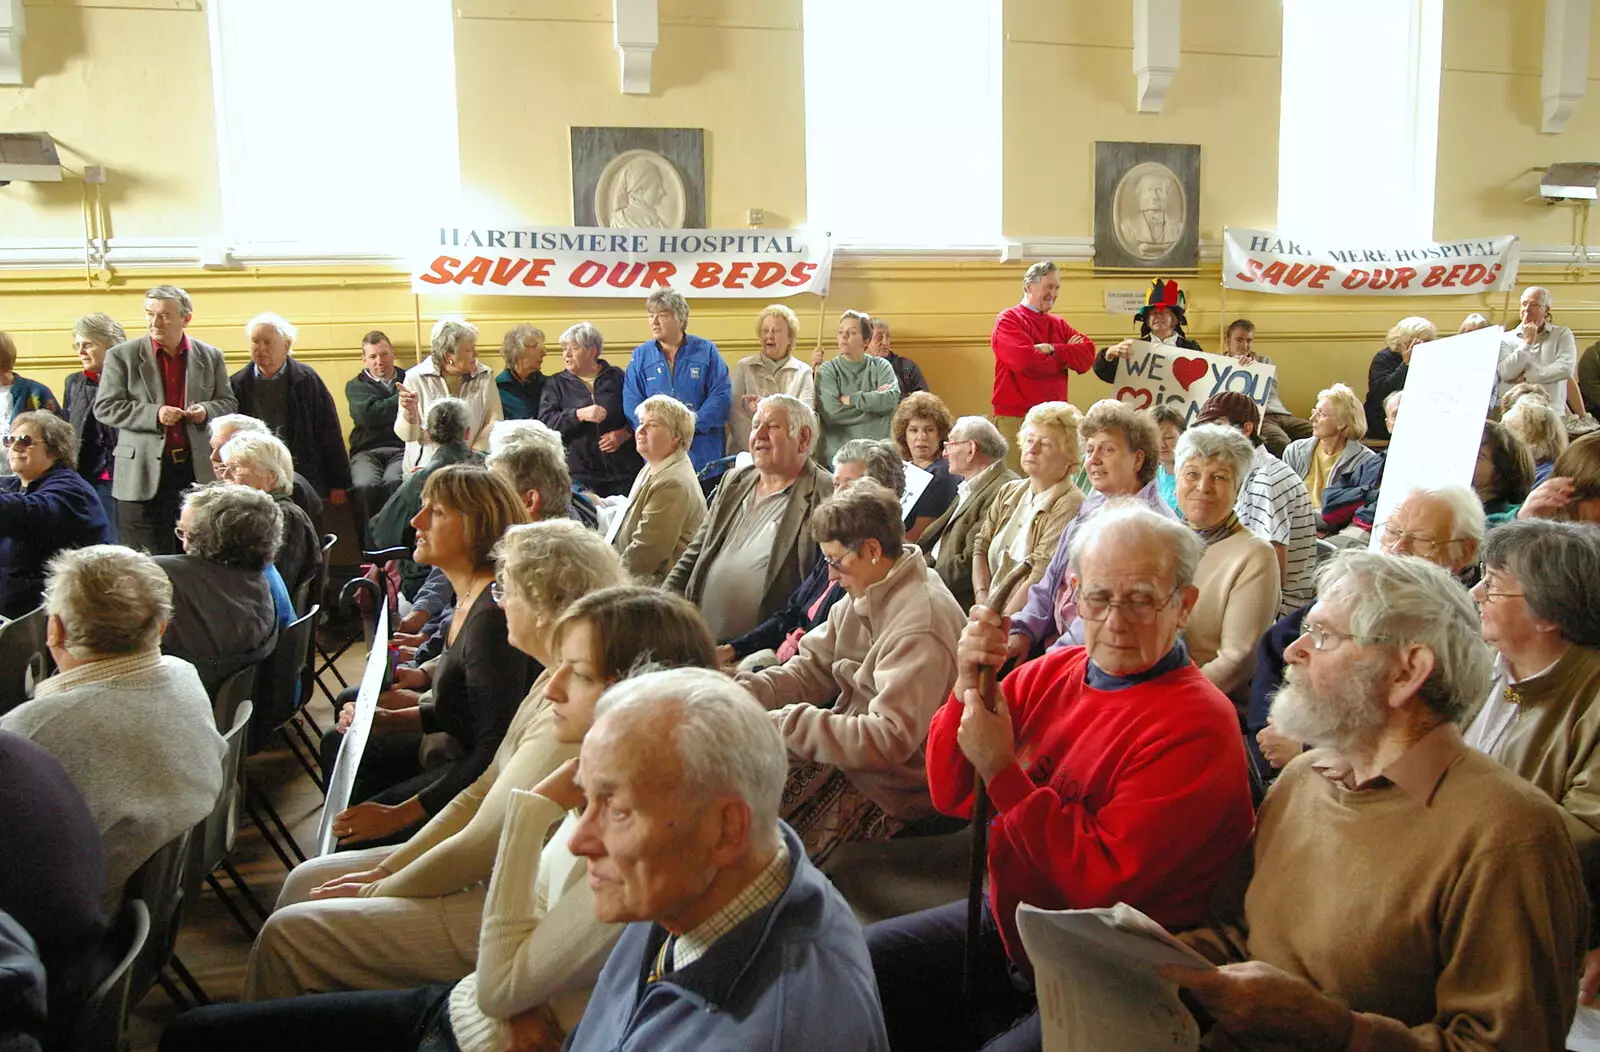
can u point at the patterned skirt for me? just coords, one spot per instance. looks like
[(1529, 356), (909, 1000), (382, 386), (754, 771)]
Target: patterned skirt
[(825, 809)]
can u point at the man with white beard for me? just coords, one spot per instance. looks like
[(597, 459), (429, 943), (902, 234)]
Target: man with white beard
[(1414, 893)]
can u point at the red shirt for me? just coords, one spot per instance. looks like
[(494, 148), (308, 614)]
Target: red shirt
[(174, 379), (1136, 795), (1025, 376)]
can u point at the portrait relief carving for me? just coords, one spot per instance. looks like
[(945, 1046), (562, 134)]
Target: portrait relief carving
[(1146, 205), (641, 178), (640, 188)]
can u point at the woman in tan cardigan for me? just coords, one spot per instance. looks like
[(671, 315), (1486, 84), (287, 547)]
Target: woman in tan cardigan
[(854, 704), (666, 504), (1026, 519), (1238, 574)]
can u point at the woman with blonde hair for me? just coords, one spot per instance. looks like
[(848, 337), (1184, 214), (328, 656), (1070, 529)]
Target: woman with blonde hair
[(920, 427), (666, 504), (1026, 519), (452, 370), (486, 883), (1541, 429), (1390, 367), (855, 703), (1335, 465), (775, 370)]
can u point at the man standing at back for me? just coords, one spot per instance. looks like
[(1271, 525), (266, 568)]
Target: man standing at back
[(158, 391), (1033, 351)]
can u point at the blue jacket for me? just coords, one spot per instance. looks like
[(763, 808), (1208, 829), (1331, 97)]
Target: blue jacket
[(59, 510), (793, 978), (698, 378), (519, 399)]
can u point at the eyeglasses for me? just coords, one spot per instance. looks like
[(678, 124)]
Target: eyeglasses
[(837, 564), (1421, 545), (1324, 638), (20, 441), (1488, 592), (1139, 609), (497, 593)]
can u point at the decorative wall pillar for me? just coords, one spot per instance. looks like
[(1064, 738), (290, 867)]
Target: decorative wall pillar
[(13, 27), (637, 34), (1566, 61), (1155, 50)]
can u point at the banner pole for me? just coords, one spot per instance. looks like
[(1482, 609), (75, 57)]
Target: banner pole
[(416, 324), (1222, 318)]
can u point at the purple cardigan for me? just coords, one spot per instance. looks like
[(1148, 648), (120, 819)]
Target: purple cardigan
[(1037, 620)]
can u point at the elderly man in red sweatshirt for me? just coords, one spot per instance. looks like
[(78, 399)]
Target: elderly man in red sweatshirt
[(1033, 349), (1116, 771)]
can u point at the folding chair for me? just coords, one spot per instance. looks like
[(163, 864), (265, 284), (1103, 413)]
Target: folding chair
[(213, 840), (104, 1016), (24, 658), (159, 884), (278, 678), (360, 597)]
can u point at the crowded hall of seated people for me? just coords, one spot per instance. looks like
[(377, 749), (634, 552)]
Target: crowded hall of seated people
[(737, 669)]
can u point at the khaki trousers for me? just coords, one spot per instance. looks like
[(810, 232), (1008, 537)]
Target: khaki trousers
[(1010, 427), (378, 943)]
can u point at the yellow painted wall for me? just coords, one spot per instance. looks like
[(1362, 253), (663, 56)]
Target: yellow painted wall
[(528, 69)]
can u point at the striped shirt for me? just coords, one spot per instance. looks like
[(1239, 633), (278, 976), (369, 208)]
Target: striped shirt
[(1274, 505)]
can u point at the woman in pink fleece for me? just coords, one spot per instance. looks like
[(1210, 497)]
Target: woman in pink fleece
[(854, 704)]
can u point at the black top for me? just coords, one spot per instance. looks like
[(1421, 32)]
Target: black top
[(770, 634), (478, 684), (52, 874), (310, 422), (1386, 375), (374, 405), (94, 441), (564, 394), (300, 555), (939, 495), (909, 373)]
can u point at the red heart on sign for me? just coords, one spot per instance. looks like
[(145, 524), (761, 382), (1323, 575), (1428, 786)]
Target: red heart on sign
[(1136, 394), (1187, 370)]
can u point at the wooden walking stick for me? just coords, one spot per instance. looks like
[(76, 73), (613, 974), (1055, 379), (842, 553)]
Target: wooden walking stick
[(978, 863)]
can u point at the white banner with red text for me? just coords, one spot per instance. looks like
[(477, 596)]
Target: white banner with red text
[(586, 261), (1268, 261)]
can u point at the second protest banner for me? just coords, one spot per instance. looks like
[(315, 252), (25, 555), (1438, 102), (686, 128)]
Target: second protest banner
[(1152, 375)]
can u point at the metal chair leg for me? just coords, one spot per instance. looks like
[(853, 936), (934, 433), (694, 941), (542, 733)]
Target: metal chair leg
[(276, 819), (227, 901), (305, 764), (244, 889), (171, 990), (266, 834), (188, 980)]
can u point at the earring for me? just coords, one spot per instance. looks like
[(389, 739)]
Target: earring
[(874, 560)]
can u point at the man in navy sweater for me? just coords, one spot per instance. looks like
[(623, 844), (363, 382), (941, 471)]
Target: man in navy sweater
[(736, 940)]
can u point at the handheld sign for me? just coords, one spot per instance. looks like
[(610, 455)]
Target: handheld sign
[(1440, 426), (1152, 375), (343, 779)]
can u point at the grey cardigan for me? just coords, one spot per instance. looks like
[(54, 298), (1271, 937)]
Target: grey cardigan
[(1297, 455)]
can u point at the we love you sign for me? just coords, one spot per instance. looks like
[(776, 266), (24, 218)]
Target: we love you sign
[(1152, 375)]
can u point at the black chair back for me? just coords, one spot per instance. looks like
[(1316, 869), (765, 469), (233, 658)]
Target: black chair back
[(104, 1017), (214, 835), (225, 700), (24, 658), (159, 884), (278, 676)]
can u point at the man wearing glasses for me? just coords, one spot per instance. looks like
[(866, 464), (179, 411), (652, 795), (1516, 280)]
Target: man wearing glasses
[(1115, 770), (1443, 525), (1382, 892)]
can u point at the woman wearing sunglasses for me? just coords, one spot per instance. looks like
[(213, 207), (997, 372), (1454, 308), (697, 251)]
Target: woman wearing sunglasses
[(54, 509)]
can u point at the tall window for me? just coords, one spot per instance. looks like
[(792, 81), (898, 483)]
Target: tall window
[(903, 121), (336, 121), (1359, 126)]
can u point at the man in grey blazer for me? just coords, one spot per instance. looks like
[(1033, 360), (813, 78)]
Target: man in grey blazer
[(158, 391), (977, 454)]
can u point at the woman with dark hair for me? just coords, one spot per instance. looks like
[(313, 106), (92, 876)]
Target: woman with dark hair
[(1161, 321), (478, 681), (857, 393), (920, 427), (1504, 474), (1572, 492), (485, 872), (855, 703), (54, 510)]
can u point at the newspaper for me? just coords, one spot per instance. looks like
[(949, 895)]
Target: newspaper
[(1095, 974), (1585, 1033)]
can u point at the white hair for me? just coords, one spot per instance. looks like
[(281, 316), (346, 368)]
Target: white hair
[(800, 415), (285, 329), (1466, 510), (585, 335), (236, 423), (1124, 516), (990, 442), (1221, 442), (1400, 601), (725, 742), (1544, 294), (1391, 400), (264, 451), (510, 434), (1036, 273)]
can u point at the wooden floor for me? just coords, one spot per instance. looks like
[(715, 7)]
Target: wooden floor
[(211, 944)]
